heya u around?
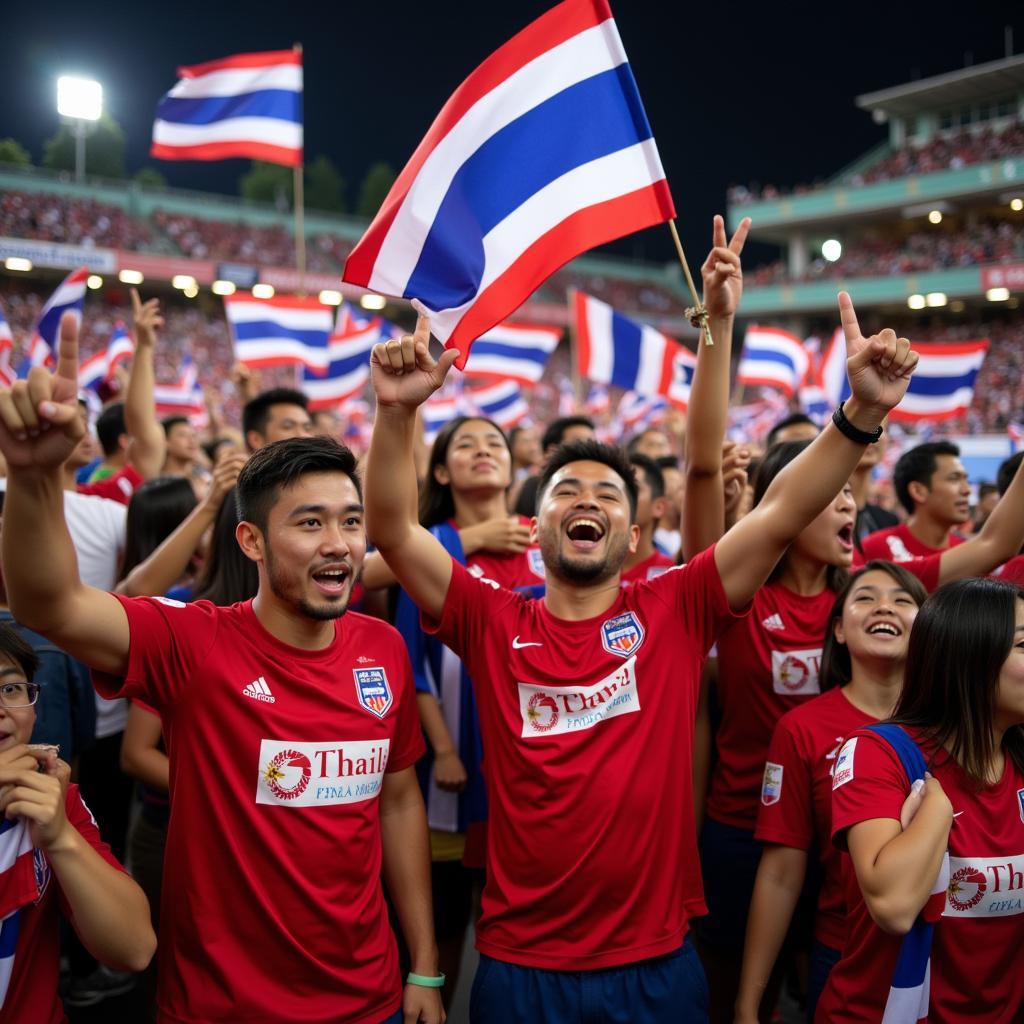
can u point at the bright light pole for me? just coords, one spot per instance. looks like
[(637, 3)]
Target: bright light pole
[(80, 101)]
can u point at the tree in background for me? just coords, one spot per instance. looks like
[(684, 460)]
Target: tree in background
[(150, 177), (13, 152), (267, 183), (376, 185), (325, 187), (104, 149)]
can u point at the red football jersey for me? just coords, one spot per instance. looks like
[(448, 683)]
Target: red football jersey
[(926, 568), (975, 967), (508, 569), (32, 993), (588, 729), (768, 664), (898, 544), (120, 486), (1011, 571), (272, 906), (650, 568), (796, 796)]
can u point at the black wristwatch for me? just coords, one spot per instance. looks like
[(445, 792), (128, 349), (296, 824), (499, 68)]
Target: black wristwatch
[(855, 434)]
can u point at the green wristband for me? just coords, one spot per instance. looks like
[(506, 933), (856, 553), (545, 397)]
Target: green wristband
[(425, 980)]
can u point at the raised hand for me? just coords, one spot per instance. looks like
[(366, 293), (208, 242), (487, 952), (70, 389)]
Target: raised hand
[(404, 372), (41, 421), (146, 319), (37, 793), (225, 476), (879, 367), (722, 271)]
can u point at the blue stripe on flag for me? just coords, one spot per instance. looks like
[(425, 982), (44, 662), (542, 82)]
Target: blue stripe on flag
[(483, 347), (591, 119), (279, 103), (9, 935), (250, 330), (768, 355), (627, 338), (340, 367), (496, 405), (937, 386)]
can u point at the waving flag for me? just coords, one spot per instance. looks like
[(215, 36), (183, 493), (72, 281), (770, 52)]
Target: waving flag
[(773, 358), (247, 105), (100, 367), (349, 351), (184, 397), (612, 349), (639, 410), (516, 352), (502, 402), (542, 153), (943, 383), (282, 331), (70, 295)]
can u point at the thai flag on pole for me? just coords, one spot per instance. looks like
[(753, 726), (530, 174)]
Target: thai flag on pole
[(517, 352), (502, 402), (773, 358), (100, 367), (70, 295), (349, 367), (943, 383), (542, 153), (612, 349), (7, 373), (282, 331), (249, 105), (183, 398)]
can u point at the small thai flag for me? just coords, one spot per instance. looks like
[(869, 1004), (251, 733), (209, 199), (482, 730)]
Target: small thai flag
[(100, 367), (637, 410), (517, 352), (943, 383), (349, 352), (773, 358), (184, 397), (69, 296), (249, 105), (502, 402), (283, 331)]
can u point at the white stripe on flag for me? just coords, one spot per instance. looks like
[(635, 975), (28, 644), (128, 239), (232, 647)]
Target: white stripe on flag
[(272, 130), (239, 81), (652, 353), (602, 341), (296, 319)]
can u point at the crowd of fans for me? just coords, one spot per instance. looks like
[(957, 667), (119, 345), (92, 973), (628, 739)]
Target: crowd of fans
[(49, 217)]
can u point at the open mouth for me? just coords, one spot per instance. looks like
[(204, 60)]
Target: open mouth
[(331, 580), (883, 629), (845, 536), (584, 533)]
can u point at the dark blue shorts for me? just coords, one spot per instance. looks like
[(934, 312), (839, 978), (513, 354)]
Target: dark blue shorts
[(728, 862), (668, 989), (396, 1018)]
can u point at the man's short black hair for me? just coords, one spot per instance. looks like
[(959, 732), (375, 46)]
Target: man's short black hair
[(15, 647), (280, 464), (651, 470), (591, 451), (555, 431), (257, 410), (110, 426), (918, 466), (1006, 471), (794, 419), (171, 422)]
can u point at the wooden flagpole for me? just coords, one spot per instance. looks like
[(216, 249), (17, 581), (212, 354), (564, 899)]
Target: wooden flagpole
[(697, 314), (299, 204)]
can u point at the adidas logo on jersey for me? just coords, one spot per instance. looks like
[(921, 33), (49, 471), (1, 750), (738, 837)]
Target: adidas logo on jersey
[(773, 622), (258, 690)]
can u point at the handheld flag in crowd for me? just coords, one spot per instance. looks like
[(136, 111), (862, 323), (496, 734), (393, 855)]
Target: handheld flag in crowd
[(248, 105), (100, 367), (348, 368), (502, 402), (184, 397), (517, 352), (773, 358), (285, 330), (542, 153), (69, 296), (943, 383)]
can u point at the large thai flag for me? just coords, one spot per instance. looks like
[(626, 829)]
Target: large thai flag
[(612, 349), (502, 402), (184, 397), (542, 153), (349, 351), (773, 358), (69, 296), (943, 383), (249, 105), (517, 352), (283, 331), (100, 367)]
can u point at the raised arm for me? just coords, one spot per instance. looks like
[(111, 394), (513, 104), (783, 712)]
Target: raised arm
[(147, 446), (879, 369), (703, 519), (40, 425), (404, 375)]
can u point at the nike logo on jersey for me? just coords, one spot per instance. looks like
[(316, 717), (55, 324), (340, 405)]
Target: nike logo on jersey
[(258, 690), (518, 645), (773, 622)]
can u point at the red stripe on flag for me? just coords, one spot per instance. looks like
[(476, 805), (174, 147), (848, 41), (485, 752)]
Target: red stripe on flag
[(582, 334), (583, 230), (268, 58), (225, 150), (280, 301), (548, 31), (902, 416), (945, 348)]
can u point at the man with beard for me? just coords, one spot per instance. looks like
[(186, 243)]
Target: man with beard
[(587, 697), (292, 733)]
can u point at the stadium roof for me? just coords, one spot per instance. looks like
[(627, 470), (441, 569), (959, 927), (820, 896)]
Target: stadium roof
[(994, 80)]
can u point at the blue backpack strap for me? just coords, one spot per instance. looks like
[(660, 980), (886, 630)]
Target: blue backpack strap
[(906, 749)]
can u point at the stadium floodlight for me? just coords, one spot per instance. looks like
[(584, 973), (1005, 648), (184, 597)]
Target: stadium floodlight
[(370, 301), (1017, 205), (997, 294), (936, 299), (223, 287), (262, 291), (94, 281), (191, 291), (832, 249), (915, 301), (183, 281), (80, 101), (131, 277), (18, 263), (935, 217), (329, 297)]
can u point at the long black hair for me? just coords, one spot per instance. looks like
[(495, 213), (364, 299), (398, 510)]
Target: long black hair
[(836, 668), (960, 641), (158, 507), (437, 505), (228, 576)]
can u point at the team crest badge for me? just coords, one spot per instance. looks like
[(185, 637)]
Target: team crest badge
[(1020, 802), (41, 867), (536, 562), (373, 690), (622, 635)]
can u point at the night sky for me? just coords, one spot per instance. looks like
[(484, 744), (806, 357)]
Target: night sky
[(735, 92)]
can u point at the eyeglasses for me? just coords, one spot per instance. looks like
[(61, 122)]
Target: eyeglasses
[(19, 695)]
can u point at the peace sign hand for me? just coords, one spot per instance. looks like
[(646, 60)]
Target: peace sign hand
[(41, 421), (404, 372), (722, 271)]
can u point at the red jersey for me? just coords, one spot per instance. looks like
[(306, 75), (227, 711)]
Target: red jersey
[(796, 796), (898, 544), (975, 968), (588, 728), (120, 486), (650, 568), (1011, 571), (508, 569), (271, 905), (768, 664), (926, 568), (32, 992)]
